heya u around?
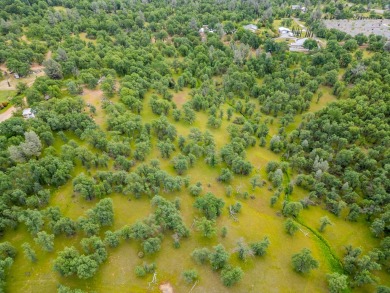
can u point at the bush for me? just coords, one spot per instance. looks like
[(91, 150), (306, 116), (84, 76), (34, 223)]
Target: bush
[(200, 255), (230, 276), (190, 276), (140, 271)]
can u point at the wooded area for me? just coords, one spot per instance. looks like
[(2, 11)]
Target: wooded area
[(167, 145)]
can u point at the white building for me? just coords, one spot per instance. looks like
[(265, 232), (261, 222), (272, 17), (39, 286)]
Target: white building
[(298, 45), (251, 27), (283, 31), (28, 113), (295, 7)]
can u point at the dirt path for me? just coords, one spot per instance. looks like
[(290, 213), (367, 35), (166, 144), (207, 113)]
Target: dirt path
[(7, 114), (48, 55), (94, 97)]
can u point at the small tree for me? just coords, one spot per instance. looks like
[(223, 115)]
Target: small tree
[(303, 261), (207, 227), (224, 232), (290, 227), (152, 245), (46, 241), (324, 221), (310, 44), (337, 282), (256, 182), (196, 189), (200, 255), (180, 164), (243, 250), (112, 238), (226, 175), (260, 248), (219, 257), (29, 252), (53, 69), (230, 276), (210, 205), (190, 276), (292, 209)]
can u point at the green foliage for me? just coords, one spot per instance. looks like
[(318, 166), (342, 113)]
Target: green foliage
[(207, 227), (231, 275), (30, 148), (303, 262), (152, 245), (219, 257), (243, 250), (226, 175), (201, 255), (292, 209), (210, 205), (290, 226), (53, 69), (29, 252), (324, 221), (190, 276), (310, 44), (46, 241), (260, 248), (339, 154), (337, 282), (196, 189), (102, 213), (112, 238)]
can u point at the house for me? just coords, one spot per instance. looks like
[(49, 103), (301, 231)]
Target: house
[(283, 31), (204, 29), (303, 9), (28, 113), (295, 7), (251, 27), (298, 45), (16, 76)]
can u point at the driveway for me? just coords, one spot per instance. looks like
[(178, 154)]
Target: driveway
[(7, 114)]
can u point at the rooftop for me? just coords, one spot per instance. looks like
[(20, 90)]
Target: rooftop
[(250, 27)]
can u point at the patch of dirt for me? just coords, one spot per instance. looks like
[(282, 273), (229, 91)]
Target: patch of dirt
[(7, 114), (36, 66), (48, 55), (166, 288), (94, 97), (24, 38), (29, 80), (180, 98)]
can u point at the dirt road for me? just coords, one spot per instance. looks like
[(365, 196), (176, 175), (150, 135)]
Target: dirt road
[(7, 114)]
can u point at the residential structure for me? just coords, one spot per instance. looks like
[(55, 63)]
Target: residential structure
[(251, 27), (298, 45), (285, 32), (28, 113)]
